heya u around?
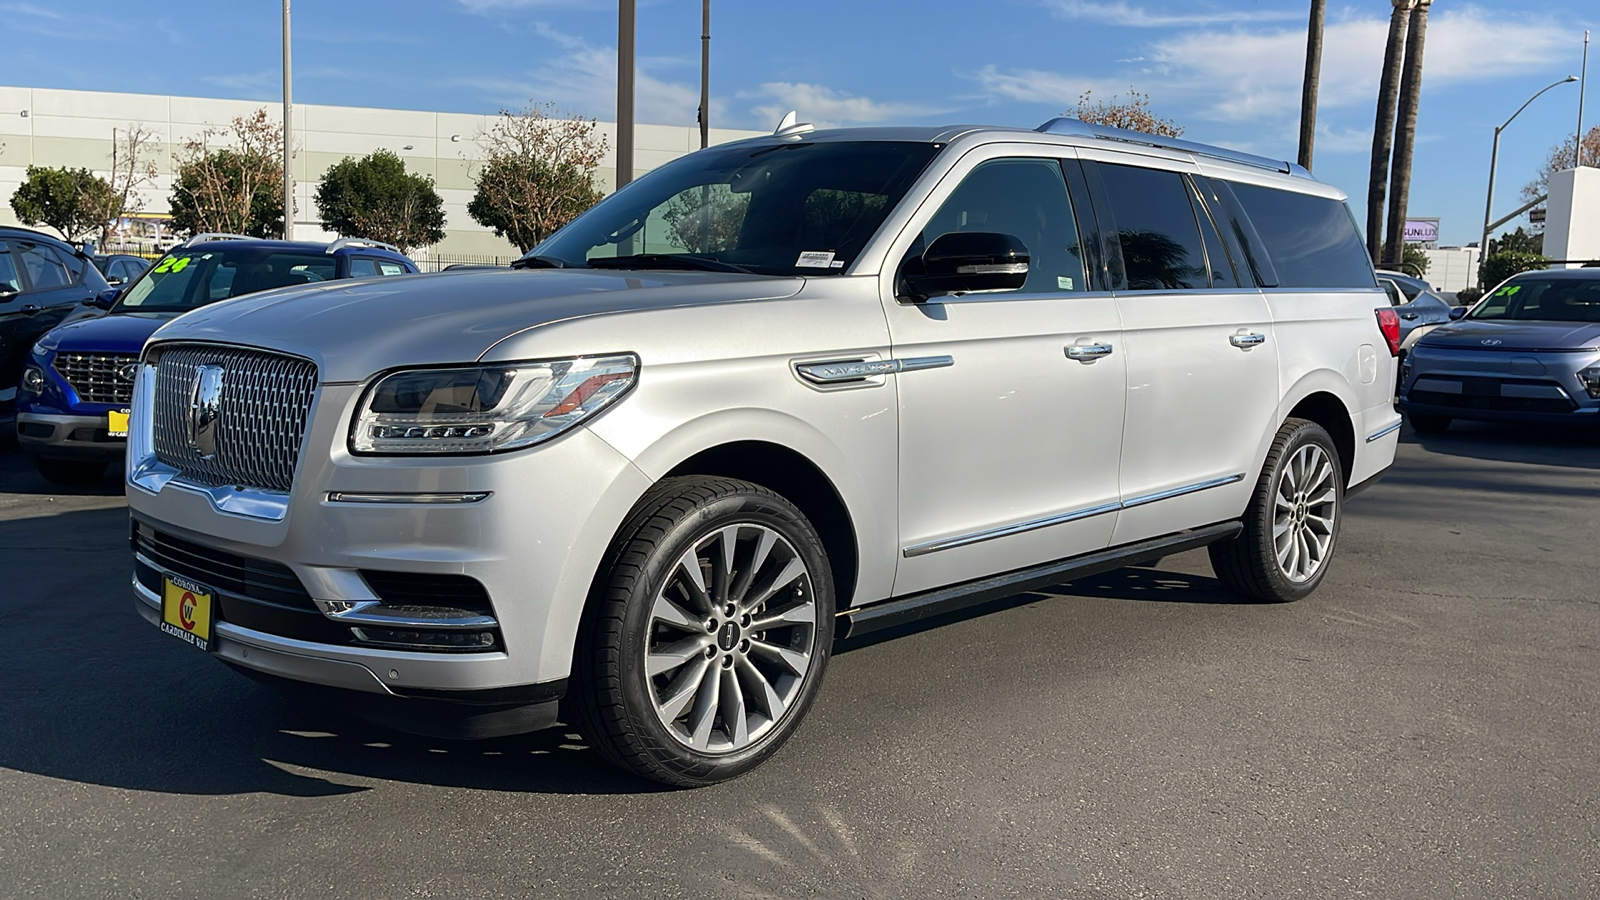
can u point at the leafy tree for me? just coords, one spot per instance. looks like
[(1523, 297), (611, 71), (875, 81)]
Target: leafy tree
[(1561, 157), (71, 201), (237, 188), (1415, 261), (375, 197), (1133, 114), (1519, 241), (131, 169), (1500, 266), (538, 174)]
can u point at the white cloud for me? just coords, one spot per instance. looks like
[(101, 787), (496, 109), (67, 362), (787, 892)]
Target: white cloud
[(1119, 12), (1253, 75), (826, 107)]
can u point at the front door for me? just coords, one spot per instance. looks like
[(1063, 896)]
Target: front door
[(1202, 362), (1010, 403)]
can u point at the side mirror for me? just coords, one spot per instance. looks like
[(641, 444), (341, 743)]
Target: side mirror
[(104, 299), (1458, 312), (968, 262)]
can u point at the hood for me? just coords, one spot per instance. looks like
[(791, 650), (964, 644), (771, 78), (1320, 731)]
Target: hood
[(354, 328), (1511, 334), (120, 333)]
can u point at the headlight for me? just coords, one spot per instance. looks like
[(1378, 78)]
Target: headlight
[(32, 380), (1591, 381), (486, 409)]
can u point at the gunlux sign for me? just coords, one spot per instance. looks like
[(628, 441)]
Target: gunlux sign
[(1422, 231)]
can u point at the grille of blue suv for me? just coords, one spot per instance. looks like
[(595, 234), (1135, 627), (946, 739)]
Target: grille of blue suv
[(98, 377), (262, 412)]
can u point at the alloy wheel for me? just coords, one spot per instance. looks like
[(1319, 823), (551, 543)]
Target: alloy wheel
[(1306, 503)]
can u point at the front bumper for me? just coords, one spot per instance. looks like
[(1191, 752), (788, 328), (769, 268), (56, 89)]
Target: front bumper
[(68, 436), (1499, 386)]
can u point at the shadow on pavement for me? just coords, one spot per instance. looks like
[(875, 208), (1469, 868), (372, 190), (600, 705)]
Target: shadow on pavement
[(18, 476), (1545, 445)]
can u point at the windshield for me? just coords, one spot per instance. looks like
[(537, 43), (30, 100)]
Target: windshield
[(778, 209), (187, 280), (1543, 299)]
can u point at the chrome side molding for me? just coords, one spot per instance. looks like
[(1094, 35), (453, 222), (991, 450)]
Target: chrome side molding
[(846, 371), (1386, 430), (990, 534)]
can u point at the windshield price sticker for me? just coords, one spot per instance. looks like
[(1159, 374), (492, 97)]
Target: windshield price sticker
[(815, 259), (172, 264)]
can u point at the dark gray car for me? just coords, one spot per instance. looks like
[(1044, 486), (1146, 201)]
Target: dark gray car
[(1529, 351)]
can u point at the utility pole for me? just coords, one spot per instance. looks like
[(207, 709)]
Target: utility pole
[(1308, 87), (288, 135), (706, 74), (1583, 82), (625, 31)]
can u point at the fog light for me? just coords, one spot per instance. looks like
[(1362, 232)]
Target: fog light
[(1590, 378), (425, 640), (32, 380)]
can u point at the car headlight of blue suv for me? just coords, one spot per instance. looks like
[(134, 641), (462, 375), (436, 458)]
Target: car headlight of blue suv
[(487, 409), (1590, 378)]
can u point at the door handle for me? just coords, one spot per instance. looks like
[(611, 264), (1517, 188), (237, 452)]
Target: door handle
[(1408, 316), (29, 309), (1246, 341), (1088, 352)]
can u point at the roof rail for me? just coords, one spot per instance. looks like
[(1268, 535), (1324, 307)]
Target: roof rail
[(1079, 128), (342, 243), (214, 236)]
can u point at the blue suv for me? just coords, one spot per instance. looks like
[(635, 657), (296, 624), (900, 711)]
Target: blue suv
[(73, 397)]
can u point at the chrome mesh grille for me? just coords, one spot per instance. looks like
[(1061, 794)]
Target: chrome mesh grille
[(262, 413), (94, 376)]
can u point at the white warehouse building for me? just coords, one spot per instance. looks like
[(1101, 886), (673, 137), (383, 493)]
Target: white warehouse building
[(48, 127)]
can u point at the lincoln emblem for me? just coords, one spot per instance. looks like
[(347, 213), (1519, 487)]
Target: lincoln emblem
[(204, 401)]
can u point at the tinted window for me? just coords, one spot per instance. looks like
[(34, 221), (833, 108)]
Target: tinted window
[(1027, 199), (390, 268), (45, 269), (363, 268), (1221, 266), (185, 280), (8, 271), (1312, 240), (1544, 299), (1156, 228)]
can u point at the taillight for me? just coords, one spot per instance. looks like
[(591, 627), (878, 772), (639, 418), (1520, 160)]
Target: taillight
[(1389, 324)]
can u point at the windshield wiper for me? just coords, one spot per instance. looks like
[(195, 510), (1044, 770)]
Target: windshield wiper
[(539, 262), (664, 261)]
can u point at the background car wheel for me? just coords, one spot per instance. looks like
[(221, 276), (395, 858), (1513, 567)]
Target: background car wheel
[(707, 632), (1428, 424), (75, 472), (1292, 523)]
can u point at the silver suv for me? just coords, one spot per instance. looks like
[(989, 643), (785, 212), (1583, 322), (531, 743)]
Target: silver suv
[(771, 394)]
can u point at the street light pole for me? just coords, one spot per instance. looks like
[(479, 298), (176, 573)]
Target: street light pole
[(625, 32), (705, 74), (288, 135), (1494, 160)]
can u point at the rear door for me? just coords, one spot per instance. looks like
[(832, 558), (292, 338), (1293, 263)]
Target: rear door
[(1202, 366)]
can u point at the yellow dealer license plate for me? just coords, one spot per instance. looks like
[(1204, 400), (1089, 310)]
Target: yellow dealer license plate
[(117, 423), (186, 611)]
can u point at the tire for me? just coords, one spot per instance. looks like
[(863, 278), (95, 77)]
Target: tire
[(657, 657), (1428, 424), (70, 472), (1301, 489)]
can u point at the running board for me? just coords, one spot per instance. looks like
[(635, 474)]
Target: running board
[(913, 608)]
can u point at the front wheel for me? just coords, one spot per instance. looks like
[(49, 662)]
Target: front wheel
[(1292, 523), (707, 633)]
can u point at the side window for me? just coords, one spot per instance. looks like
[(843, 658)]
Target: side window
[(220, 287), (1222, 271), (391, 268), (1156, 226), (45, 269), (1312, 240), (1025, 198), (361, 267), (1396, 298), (10, 282)]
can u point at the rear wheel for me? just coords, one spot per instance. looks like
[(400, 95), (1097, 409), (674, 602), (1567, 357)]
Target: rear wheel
[(707, 634), (72, 472), (1292, 523), (1428, 424)]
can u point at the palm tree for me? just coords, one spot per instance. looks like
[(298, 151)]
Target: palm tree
[(1405, 134), (1383, 127), (1313, 81)]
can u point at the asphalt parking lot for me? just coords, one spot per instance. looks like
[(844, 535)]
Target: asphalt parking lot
[(1424, 726)]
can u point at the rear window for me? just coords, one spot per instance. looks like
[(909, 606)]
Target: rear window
[(1312, 240), (185, 281)]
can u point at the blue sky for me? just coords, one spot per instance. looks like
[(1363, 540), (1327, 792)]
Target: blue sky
[(1228, 70)]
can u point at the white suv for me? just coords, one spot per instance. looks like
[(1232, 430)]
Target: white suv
[(773, 393)]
